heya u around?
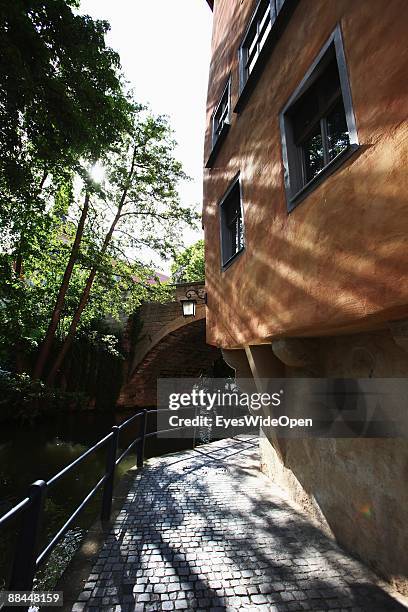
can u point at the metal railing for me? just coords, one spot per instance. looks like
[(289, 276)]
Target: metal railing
[(27, 561)]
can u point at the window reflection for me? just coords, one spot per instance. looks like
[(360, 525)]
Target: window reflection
[(313, 155), (337, 133)]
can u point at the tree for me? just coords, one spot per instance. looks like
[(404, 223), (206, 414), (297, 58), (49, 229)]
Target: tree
[(27, 303), (61, 95), (138, 210), (61, 100), (189, 265), (46, 345), (71, 255), (27, 296)]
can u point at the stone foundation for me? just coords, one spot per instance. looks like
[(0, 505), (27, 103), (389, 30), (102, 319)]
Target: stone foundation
[(356, 489)]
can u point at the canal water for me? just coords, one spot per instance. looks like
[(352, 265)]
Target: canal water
[(38, 452)]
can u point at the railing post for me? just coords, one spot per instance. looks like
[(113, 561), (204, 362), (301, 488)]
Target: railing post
[(25, 556), (141, 444), (110, 475)]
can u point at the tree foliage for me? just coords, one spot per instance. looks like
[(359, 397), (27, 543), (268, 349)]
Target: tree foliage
[(137, 211), (74, 252), (189, 265), (61, 101), (60, 89)]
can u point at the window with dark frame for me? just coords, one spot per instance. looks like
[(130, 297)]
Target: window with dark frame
[(259, 28), (232, 227), (317, 124), (221, 115)]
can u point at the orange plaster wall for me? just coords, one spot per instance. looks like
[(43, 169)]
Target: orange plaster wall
[(339, 261)]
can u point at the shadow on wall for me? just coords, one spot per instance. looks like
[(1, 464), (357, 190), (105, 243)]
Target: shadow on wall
[(341, 256), (363, 271), (356, 488)]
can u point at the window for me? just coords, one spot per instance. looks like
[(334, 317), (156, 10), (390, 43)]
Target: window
[(317, 124), (220, 123), (266, 24), (221, 117), (256, 36), (232, 227)]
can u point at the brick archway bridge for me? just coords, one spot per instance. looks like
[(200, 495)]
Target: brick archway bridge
[(169, 346)]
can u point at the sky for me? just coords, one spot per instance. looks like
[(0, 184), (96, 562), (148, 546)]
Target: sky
[(164, 46)]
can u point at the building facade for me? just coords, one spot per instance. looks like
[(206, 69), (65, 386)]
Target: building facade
[(305, 217)]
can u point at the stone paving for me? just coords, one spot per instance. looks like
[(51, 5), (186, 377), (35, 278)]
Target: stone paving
[(205, 530)]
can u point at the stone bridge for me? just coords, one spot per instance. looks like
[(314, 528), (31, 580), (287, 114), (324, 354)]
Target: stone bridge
[(169, 346)]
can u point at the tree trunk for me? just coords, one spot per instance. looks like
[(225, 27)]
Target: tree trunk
[(81, 306), (59, 304), (87, 290)]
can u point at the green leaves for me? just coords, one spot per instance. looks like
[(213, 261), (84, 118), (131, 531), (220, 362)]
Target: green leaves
[(60, 84), (24, 400), (62, 108), (61, 101), (189, 265)]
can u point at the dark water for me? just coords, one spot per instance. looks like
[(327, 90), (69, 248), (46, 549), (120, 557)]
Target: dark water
[(31, 453)]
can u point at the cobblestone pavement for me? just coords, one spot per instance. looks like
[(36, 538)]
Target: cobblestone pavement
[(205, 530)]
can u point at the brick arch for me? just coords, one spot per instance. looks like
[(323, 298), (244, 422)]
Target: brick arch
[(149, 341), (179, 350), (170, 346)]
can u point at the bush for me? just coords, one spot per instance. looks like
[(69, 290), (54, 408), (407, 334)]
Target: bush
[(25, 400)]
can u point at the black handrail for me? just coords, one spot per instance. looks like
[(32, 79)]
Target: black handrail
[(130, 420), (57, 538), (14, 511), (127, 450), (26, 562), (79, 460)]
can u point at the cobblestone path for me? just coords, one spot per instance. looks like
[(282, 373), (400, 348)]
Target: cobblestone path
[(206, 530)]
